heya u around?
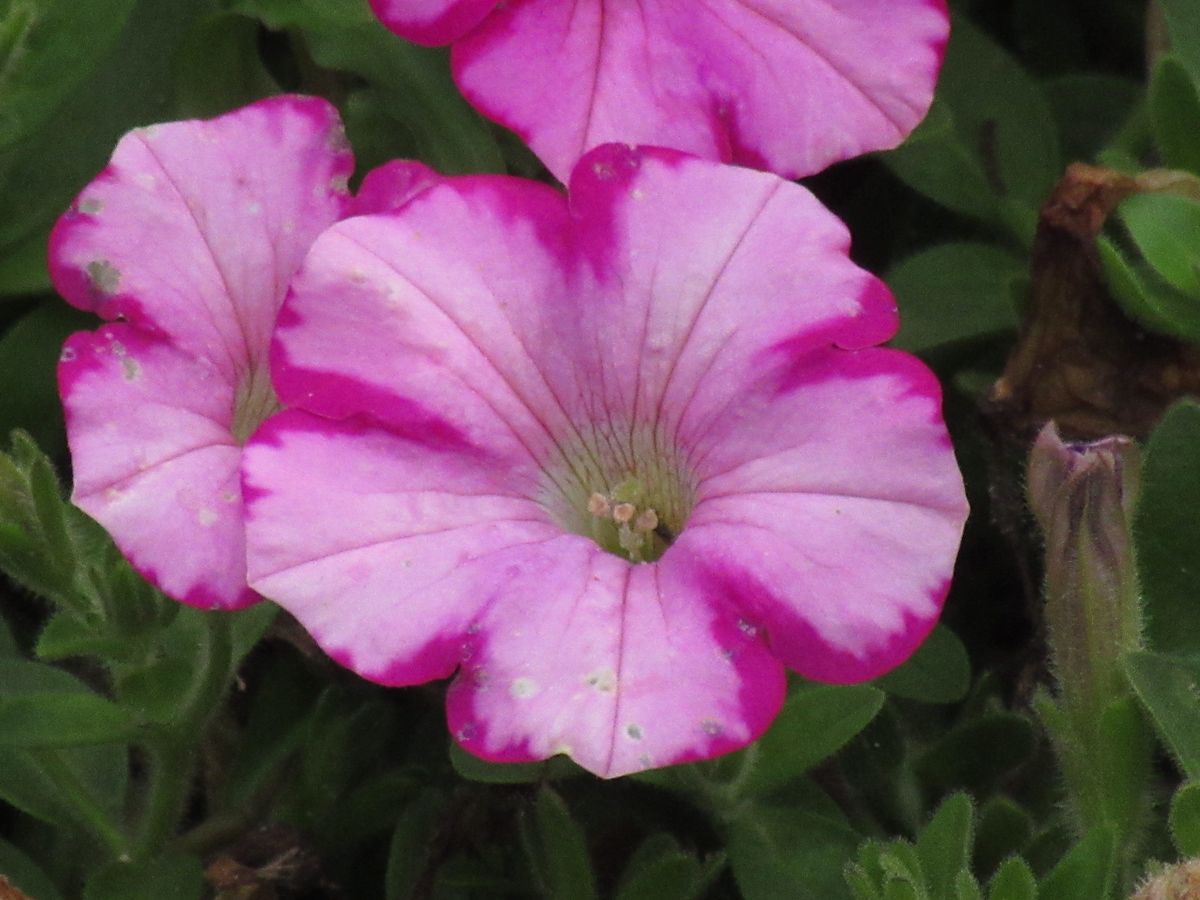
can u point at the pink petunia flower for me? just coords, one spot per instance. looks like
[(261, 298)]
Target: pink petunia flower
[(616, 460), (786, 85), (186, 242)]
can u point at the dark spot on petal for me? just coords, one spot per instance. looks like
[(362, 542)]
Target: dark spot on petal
[(103, 276)]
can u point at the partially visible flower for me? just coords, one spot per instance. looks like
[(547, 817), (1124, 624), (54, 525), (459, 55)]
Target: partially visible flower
[(186, 242), (1178, 882), (617, 460), (786, 85)]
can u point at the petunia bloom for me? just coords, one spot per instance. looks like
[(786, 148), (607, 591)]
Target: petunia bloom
[(186, 243), (616, 460), (786, 85)]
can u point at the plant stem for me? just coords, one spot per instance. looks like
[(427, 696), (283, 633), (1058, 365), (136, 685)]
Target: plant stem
[(171, 752)]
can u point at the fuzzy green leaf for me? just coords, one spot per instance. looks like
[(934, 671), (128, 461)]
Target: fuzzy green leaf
[(1087, 872), (1013, 881), (1170, 691), (1167, 532), (944, 845)]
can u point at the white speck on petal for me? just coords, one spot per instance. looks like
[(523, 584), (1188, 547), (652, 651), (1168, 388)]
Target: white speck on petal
[(206, 517), (523, 688)]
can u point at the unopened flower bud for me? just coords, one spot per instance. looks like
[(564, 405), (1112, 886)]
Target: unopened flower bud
[(1083, 496)]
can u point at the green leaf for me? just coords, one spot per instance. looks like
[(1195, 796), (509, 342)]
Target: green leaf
[(939, 672), (473, 768), (41, 706), (1166, 229), (979, 753), (991, 151), (1167, 532), (966, 887), (557, 849), (168, 877), (1092, 110), (63, 720), (813, 725), (862, 886), (1170, 691), (248, 627), (23, 268), (944, 845), (25, 874), (1175, 113), (65, 635), (412, 841), (1087, 872), (660, 870), (1183, 26), (29, 353), (955, 291), (8, 643), (790, 854), (125, 82), (47, 48), (1185, 819), (1004, 830), (1147, 299), (218, 67), (1013, 881)]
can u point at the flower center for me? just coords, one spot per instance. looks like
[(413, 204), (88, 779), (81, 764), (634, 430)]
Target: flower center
[(625, 488), (253, 401)]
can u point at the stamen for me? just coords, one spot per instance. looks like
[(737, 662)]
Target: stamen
[(646, 521), (599, 506), (623, 513), (631, 542)]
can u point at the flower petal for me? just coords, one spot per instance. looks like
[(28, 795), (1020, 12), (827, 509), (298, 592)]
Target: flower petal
[(436, 313), (432, 22), (229, 205), (622, 667), (399, 543), (830, 506), (155, 463), (704, 268), (789, 85), (563, 648)]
